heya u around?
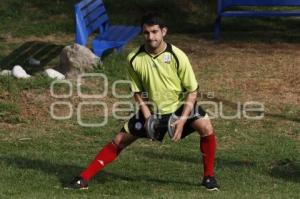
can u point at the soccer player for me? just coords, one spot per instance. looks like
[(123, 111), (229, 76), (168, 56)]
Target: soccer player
[(163, 83)]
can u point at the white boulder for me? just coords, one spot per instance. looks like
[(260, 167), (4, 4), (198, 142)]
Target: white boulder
[(19, 72), (54, 74), (5, 72)]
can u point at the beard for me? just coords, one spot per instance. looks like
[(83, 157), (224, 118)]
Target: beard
[(153, 45)]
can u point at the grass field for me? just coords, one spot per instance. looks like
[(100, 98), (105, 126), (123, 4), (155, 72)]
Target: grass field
[(255, 62)]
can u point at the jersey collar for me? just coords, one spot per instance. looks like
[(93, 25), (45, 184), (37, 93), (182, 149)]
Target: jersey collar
[(168, 49)]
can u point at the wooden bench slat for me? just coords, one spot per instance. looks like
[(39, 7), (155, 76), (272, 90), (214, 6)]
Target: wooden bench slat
[(111, 33), (126, 36), (83, 3), (118, 33), (90, 8), (97, 24), (227, 4), (94, 15), (259, 14), (263, 3), (114, 35)]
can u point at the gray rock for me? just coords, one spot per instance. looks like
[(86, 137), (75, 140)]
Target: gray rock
[(76, 59)]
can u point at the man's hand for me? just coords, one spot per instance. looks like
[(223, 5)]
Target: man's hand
[(178, 125), (190, 101)]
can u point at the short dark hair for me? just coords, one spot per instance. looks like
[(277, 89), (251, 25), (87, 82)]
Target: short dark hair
[(153, 18)]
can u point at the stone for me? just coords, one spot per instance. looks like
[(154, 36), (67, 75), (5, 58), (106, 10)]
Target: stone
[(5, 72), (54, 74), (76, 59), (19, 72)]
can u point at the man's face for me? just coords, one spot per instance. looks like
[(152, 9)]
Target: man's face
[(153, 35)]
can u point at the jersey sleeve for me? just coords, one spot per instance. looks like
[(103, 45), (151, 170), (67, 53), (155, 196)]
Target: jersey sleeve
[(136, 84), (186, 74)]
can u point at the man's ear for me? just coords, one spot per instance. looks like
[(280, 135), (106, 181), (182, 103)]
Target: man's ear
[(164, 31)]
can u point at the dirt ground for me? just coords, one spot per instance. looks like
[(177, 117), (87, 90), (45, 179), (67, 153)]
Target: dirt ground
[(269, 73)]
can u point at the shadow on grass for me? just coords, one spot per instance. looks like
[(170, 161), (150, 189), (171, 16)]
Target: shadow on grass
[(42, 51), (65, 172), (233, 164), (286, 169), (171, 157), (103, 176)]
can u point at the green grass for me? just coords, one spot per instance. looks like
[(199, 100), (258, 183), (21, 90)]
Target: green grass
[(9, 113), (16, 86), (35, 17), (250, 166), (114, 66), (8, 107)]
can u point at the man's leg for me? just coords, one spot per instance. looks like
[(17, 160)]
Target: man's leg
[(208, 149), (106, 155)]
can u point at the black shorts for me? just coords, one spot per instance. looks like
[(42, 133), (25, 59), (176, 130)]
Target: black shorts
[(135, 125)]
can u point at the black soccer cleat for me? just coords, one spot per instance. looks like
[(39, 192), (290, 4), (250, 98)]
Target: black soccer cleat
[(77, 183), (210, 183)]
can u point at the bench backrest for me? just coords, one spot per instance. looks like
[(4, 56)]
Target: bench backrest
[(222, 4), (90, 17)]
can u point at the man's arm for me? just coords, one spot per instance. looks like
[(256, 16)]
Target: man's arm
[(189, 103), (142, 105), (190, 84)]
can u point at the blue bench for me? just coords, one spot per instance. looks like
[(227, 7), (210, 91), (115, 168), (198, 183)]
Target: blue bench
[(223, 10), (90, 17)]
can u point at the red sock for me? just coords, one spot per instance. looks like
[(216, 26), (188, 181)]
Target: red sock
[(208, 149), (108, 154)]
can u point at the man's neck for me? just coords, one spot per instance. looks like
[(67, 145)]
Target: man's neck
[(162, 47)]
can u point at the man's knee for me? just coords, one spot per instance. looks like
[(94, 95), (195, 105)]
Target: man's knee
[(203, 127), (122, 140), (207, 130)]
